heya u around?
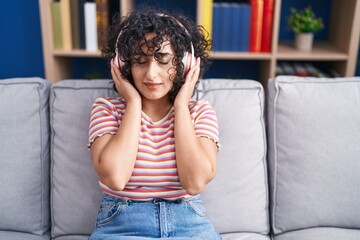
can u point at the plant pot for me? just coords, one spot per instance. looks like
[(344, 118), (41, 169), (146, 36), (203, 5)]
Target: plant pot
[(304, 41)]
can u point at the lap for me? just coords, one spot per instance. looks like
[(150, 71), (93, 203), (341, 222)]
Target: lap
[(120, 218)]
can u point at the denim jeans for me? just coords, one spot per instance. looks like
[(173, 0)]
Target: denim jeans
[(123, 219)]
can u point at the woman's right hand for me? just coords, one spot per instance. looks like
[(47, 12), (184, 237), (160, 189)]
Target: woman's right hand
[(125, 89)]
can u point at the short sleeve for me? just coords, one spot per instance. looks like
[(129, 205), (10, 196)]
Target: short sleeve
[(104, 119), (206, 124)]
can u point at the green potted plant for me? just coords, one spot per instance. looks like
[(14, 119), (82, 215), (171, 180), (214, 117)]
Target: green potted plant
[(304, 23)]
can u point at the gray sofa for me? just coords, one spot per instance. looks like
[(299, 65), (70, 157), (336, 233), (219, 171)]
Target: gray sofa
[(292, 175)]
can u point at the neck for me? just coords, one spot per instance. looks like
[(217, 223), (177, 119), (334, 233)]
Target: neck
[(156, 109)]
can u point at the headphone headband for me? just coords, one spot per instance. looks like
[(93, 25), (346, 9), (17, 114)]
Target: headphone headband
[(177, 21)]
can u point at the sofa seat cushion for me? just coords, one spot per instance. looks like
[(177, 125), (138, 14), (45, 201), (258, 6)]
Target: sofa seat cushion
[(237, 199), (314, 136), (24, 156), (244, 236), (75, 192), (72, 237), (323, 233), (7, 235)]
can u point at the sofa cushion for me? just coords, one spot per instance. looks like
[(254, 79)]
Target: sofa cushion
[(7, 235), (237, 199), (75, 193), (323, 233), (244, 236), (24, 157), (314, 136)]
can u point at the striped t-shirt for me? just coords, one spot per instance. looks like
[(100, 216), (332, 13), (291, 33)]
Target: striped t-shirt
[(155, 172)]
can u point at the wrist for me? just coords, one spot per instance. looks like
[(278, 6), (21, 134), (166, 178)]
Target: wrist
[(134, 104), (178, 108), (181, 104)]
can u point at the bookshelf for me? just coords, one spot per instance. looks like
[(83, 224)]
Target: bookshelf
[(340, 49)]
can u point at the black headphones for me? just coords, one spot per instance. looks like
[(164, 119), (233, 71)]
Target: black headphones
[(188, 59)]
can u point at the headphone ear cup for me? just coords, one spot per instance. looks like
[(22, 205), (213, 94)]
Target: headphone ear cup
[(184, 61), (118, 62), (189, 61)]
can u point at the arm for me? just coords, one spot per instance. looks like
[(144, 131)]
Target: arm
[(195, 156), (114, 155)]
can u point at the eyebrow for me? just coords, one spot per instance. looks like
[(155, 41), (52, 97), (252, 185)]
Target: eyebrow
[(164, 54)]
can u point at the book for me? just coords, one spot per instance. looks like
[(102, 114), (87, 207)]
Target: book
[(240, 26), (75, 28), (77, 23), (311, 70), (216, 32), (288, 69), (56, 24), (257, 7), (66, 24), (245, 27), (268, 15), (226, 26), (207, 17), (231, 27), (91, 43), (102, 21), (300, 69), (279, 70), (235, 19), (335, 74), (82, 23)]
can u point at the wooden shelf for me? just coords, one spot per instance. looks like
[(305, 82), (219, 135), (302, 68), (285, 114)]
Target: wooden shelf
[(240, 56), (76, 53), (340, 50), (322, 51)]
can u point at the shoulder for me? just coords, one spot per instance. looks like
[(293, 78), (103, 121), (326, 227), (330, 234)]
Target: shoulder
[(200, 106), (108, 101), (112, 104)]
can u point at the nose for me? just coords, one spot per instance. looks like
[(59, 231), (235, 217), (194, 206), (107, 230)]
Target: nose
[(153, 69)]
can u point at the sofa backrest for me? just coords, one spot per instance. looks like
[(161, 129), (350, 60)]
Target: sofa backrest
[(314, 153), (24, 158), (75, 195), (237, 199)]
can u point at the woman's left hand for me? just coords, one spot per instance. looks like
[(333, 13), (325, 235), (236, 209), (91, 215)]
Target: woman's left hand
[(187, 89)]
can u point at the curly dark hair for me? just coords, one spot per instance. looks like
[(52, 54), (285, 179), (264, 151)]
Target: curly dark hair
[(140, 22)]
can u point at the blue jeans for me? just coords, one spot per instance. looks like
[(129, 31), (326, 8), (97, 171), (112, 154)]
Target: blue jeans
[(123, 219)]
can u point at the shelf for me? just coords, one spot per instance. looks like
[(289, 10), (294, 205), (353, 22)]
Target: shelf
[(240, 56), (76, 53), (321, 51), (340, 51)]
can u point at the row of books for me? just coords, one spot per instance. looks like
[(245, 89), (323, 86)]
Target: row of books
[(80, 24), (244, 27), (304, 69), (226, 35)]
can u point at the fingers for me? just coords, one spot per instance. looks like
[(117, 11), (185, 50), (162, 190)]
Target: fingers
[(193, 74), (117, 77), (115, 71), (197, 69)]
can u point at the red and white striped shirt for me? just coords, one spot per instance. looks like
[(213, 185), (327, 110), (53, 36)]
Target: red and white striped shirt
[(155, 172)]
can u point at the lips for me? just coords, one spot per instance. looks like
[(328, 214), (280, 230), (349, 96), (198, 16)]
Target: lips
[(152, 86)]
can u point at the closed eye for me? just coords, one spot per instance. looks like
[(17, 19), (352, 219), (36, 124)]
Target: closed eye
[(163, 58), (141, 59)]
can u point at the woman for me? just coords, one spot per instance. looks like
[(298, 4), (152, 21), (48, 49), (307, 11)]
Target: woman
[(153, 147)]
